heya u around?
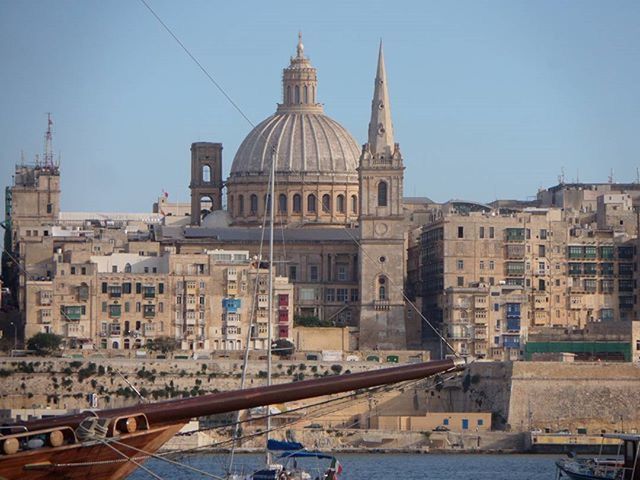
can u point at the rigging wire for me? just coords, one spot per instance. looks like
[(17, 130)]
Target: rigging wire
[(200, 66)]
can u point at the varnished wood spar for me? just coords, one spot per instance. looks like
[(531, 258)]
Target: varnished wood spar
[(172, 411)]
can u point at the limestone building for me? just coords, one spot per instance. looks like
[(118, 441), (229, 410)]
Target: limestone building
[(340, 237), (126, 300), (538, 268)]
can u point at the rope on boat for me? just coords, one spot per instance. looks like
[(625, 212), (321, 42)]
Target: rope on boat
[(130, 459), (173, 462)]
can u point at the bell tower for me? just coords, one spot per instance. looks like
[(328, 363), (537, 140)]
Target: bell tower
[(206, 180), (381, 222)]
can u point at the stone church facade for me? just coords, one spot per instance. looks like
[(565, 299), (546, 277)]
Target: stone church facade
[(338, 208)]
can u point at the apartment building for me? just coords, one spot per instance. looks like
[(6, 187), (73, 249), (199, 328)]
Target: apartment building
[(125, 300), (560, 273)]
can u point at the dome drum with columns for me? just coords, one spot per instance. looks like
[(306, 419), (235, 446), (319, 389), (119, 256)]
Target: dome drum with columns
[(316, 160)]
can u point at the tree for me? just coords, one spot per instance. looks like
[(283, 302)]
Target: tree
[(44, 343), (283, 347), (164, 344)]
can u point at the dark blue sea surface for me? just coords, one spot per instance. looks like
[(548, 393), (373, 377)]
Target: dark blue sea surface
[(389, 466)]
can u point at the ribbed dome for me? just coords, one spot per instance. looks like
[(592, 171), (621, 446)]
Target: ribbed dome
[(305, 141)]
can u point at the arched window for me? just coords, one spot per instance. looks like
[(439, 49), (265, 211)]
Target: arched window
[(382, 287), (326, 203), (206, 205), (127, 268), (126, 344), (311, 203), (254, 204), (267, 202), (241, 204), (297, 94), (313, 94), (297, 203), (115, 345), (382, 194), (306, 94), (206, 173), (340, 204), (354, 203), (288, 99), (282, 203), (231, 203)]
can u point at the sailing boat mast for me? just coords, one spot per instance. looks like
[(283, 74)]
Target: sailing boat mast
[(272, 184)]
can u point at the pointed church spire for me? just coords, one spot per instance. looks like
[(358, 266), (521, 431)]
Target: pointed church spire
[(380, 126)]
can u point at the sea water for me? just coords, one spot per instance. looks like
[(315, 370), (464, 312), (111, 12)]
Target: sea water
[(388, 466)]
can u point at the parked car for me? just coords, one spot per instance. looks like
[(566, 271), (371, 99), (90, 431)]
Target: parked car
[(441, 428)]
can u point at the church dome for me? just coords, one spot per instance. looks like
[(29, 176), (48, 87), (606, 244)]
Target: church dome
[(305, 142)]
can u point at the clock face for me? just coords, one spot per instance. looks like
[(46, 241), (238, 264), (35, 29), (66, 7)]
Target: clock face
[(381, 229)]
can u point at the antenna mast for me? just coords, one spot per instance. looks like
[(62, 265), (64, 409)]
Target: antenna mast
[(47, 157)]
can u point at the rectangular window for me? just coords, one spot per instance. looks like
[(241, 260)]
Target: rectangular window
[(138, 307), (341, 295), (127, 307), (542, 251), (481, 264), (606, 253), (460, 232), (343, 272), (115, 310), (293, 272), (492, 232), (460, 264), (114, 269), (543, 234), (138, 288), (606, 286), (481, 232), (590, 252), (126, 287), (313, 273), (461, 281), (492, 265), (104, 287), (149, 291), (330, 295), (104, 307), (575, 251), (355, 294), (161, 288), (625, 269), (73, 270)]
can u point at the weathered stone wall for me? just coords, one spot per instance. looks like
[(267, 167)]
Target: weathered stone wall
[(597, 396), (538, 395), (66, 383)]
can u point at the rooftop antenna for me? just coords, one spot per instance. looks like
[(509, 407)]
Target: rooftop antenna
[(561, 176), (611, 176), (47, 157), (577, 175), (637, 175)]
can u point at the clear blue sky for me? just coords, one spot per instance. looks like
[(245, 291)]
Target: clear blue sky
[(489, 98)]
